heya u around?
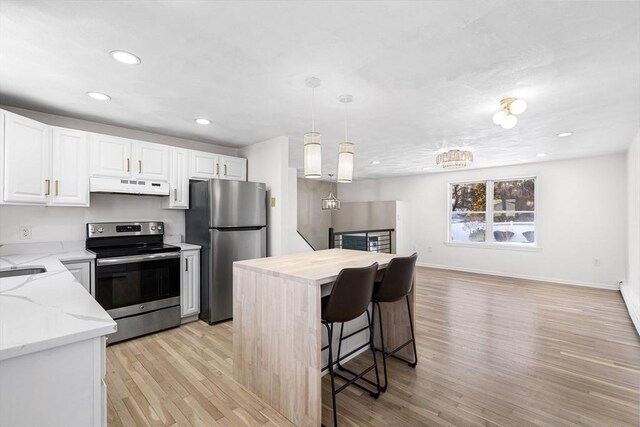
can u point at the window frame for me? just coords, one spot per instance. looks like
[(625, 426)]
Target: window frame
[(489, 242)]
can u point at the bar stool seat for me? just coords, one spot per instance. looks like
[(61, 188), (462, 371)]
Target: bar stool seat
[(395, 285), (349, 299)]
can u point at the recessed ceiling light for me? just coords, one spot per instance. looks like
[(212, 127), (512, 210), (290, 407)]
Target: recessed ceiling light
[(201, 121), (99, 96), (125, 57), (426, 169), (375, 162), (541, 154), (563, 134)]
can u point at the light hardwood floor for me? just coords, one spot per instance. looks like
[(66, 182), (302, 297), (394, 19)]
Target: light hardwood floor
[(492, 351)]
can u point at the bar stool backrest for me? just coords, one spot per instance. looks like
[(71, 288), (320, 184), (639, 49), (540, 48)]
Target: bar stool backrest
[(351, 294), (397, 280)]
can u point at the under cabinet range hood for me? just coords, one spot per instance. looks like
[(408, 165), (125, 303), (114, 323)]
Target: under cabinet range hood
[(128, 186)]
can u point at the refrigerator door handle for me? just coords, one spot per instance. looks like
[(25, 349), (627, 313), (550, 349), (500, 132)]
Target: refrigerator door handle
[(256, 227)]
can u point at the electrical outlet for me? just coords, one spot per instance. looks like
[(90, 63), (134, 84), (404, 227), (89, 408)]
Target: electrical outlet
[(25, 232), (273, 202), (596, 262)]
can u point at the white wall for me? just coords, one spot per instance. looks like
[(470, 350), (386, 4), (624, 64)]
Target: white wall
[(631, 287), (296, 242), (68, 224), (580, 216), (268, 162)]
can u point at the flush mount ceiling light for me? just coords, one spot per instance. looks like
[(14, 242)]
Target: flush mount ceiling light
[(202, 121), (99, 96), (541, 154), (331, 202), (375, 162), (346, 149), (564, 134), (312, 140), (454, 159), (125, 57), (511, 107)]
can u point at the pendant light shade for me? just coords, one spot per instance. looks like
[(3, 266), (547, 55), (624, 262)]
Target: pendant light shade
[(312, 155), (346, 153)]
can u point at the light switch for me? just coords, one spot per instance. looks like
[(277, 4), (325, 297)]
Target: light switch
[(273, 202)]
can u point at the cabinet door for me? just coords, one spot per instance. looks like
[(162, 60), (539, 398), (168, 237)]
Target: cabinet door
[(82, 272), (233, 168), (151, 161), (110, 156), (204, 165), (70, 169), (178, 180), (27, 160), (190, 292)]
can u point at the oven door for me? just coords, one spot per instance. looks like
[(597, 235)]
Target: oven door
[(134, 284)]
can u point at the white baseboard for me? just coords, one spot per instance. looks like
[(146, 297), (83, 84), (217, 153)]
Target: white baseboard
[(633, 305), (614, 287)]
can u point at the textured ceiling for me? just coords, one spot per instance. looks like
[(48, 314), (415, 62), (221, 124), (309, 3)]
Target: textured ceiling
[(425, 75)]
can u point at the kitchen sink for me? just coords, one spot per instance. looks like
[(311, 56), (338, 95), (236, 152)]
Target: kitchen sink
[(21, 271)]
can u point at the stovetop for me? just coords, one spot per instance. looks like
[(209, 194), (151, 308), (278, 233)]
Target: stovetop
[(127, 250)]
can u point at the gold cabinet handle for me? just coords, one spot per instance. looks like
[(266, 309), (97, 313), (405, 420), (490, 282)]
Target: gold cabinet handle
[(128, 165), (48, 182), (175, 194), (139, 166), (225, 170), (217, 168), (57, 187)]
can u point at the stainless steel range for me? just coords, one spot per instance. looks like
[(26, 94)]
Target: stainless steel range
[(137, 276)]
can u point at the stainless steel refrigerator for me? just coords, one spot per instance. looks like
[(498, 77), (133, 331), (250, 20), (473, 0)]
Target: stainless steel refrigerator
[(228, 219)]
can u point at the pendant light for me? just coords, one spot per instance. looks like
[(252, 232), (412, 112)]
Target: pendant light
[(331, 202), (346, 149), (312, 140)]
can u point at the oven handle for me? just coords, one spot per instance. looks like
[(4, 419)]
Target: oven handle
[(136, 258)]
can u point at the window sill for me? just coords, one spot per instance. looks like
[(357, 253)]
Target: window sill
[(502, 246)]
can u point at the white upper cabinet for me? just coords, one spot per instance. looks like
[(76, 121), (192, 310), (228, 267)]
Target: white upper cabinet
[(151, 161), (178, 180), (25, 146), (204, 165), (110, 156), (233, 168), (70, 171)]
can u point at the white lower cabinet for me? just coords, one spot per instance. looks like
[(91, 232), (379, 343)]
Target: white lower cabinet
[(190, 284), (81, 270), (61, 386)]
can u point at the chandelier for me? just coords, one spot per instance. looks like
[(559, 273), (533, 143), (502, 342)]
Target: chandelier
[(511, 107), (454, 159), (331, 202)]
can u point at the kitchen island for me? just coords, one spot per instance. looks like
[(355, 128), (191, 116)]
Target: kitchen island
[(277, 334)]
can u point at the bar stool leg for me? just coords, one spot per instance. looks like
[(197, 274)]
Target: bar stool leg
[(413, 336), (331, 373), (384, 355), (373, 353)]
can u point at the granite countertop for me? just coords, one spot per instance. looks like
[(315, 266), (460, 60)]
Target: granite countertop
[(47, 310)]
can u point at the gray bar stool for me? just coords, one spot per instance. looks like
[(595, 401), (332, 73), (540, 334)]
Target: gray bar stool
[(349, 299), (395, 285)]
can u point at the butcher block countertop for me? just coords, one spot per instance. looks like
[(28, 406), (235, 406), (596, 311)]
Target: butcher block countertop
[(314, 268)]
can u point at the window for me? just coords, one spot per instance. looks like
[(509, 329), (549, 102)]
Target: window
[(493, 211)]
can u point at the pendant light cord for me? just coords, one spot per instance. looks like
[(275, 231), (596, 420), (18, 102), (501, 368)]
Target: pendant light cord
[(345, 123), (313, 95)]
